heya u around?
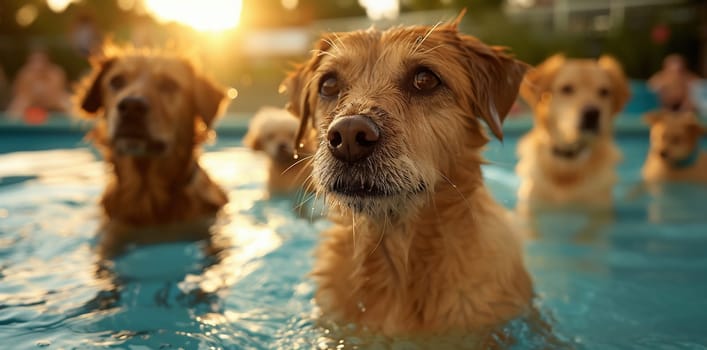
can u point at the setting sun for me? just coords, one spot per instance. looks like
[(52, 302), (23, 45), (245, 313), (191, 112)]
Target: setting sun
[(203, 15)]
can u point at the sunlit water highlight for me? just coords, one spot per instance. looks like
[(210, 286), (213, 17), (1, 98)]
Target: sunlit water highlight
[(635, 283)]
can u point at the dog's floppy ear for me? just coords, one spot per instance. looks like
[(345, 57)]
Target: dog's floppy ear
[(538, 80), (209, 98), (89, 97), (297, 86), (495, 77), (620, 91)]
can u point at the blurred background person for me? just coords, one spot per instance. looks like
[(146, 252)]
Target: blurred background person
[(39, 84), (672, 84)]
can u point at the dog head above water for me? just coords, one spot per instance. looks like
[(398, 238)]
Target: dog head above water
[(148, 103), (576, 100), (396, 111), (675, 136), (272, 130)]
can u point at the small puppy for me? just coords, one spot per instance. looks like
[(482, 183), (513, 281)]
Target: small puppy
[(419, 245), (675, 148), (272, 130), (152, 111), (569, 156)]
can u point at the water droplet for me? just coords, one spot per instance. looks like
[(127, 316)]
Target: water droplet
[(301, 145), (361, 307), (296, 156)]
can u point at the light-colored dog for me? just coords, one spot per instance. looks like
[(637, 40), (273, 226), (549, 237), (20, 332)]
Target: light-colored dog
[(569, 156), (272, 131), (419, 246), (152, 111), (674, 153)]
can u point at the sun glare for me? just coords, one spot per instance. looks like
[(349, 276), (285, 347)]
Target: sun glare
[(202, 15)]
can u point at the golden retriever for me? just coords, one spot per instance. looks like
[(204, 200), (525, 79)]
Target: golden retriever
[(419, 245), (674, 153), (569, 156), (272, 131), (152, 111)]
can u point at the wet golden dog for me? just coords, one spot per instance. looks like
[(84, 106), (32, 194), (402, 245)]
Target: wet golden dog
[(569, 156), (152, 111), (419, 245), (675, 148), (272, 131)]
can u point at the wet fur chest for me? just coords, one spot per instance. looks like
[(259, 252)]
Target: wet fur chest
[(426, 275), (147, 195)]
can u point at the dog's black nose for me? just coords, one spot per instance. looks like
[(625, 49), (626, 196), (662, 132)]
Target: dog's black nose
[(590, 119), (133, 107), (352, 138), (664, 154)]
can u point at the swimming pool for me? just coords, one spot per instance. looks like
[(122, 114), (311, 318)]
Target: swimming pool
[(638, 282)]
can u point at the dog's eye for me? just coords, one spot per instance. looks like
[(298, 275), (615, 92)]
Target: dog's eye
[(425, 80), (117, 82), (603, 92), (329, 87), (168, 85), (567, 89)]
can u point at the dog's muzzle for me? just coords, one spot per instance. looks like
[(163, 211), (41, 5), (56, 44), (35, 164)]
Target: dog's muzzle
[(132, 137)]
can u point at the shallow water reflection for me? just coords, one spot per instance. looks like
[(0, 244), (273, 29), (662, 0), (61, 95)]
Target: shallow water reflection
[(638, 283)]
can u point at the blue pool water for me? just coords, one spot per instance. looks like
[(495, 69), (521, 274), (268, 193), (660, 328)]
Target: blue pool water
[(639, 282)]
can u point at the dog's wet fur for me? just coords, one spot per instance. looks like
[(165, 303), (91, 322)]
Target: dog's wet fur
[(152, 110), (419, 245)]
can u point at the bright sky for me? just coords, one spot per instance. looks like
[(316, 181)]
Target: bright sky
[(381, 9), (203, 15)]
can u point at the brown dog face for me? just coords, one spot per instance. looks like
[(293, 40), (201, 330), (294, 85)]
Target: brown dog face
[(674, 135), (149, 103), (273, 130), (575, 100), (396, 109)]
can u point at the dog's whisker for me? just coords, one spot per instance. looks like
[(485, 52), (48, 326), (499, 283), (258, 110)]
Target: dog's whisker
[(353, 231), (307, 187), (303, 159), (419, 41), (380, 238), (304, 199), (338, 38), (425, 52), (456, 189), (323, 53), (331, 43)]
